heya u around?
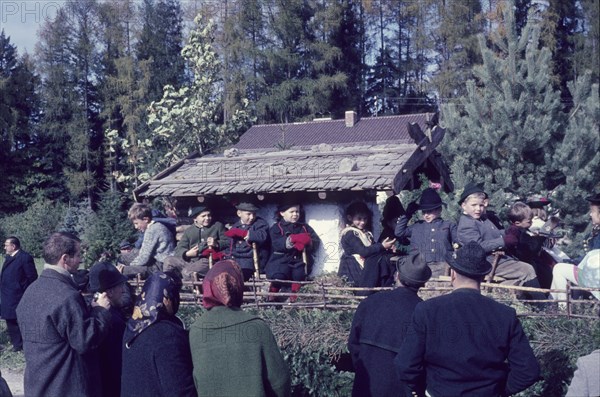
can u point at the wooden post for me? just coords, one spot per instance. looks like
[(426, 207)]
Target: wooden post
[(568, 290), (197, 289), (255, 260), (490, 277)]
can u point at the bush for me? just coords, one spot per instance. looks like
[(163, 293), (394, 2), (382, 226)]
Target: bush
[(33, 226)]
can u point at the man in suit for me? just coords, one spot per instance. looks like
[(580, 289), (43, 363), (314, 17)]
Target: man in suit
[(379, 326), (18, 272), (466, 344)]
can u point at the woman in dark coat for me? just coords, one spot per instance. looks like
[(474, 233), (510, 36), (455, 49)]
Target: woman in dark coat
[(156, 352)]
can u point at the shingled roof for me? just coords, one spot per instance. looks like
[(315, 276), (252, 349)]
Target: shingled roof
[(325, 156), (333, 132)]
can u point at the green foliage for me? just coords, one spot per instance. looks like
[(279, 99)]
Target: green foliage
[(34, 225), (504, 130), (188, 119), (107, 227)]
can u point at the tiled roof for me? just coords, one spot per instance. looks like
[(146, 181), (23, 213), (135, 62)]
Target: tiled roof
[(320, 168), (333, 132)]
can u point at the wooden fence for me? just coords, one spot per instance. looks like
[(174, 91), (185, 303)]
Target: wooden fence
[(328, 294)]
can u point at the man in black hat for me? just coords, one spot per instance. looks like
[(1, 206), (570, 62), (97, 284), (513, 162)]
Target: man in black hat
[(466, 344), (249, 237), (432, 237), (105, 278), (199, 241), (379, 326)]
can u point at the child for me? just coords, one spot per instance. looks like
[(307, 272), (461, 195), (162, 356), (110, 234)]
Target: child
[(592, 241), (249, 230), (432, 236), (199, 241), (157, 245), (524, 246), (362, 254), (473, 227), (392, 210), (289, 239)]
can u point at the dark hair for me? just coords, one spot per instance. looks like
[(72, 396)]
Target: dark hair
[(359, 207), (59, 244), (14, 241), (519, 212)]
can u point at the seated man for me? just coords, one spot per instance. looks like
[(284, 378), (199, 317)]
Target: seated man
[(200, 241), (158, 243)]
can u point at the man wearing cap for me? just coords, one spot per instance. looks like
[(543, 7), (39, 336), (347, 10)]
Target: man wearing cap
[(379, 327), (105, 278), (466, 344), (248, 232), (199, 241), (432, 237)]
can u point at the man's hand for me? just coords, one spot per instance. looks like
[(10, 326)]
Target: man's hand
[(192, 252), (102, 301)]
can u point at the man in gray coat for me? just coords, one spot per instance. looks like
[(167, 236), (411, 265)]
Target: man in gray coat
[(59, 331)]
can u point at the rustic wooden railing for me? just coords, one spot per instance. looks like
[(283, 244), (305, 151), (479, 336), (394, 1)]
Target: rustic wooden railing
[(325, 294)]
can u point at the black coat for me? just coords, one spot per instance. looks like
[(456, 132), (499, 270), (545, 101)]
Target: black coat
[(18, 272), (110, 354), (353, 245), (467, 345), (241, 249), (283, 257), (158, 363), (378, 329)]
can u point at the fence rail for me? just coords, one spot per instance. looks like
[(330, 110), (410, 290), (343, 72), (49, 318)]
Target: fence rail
[(324, 294)]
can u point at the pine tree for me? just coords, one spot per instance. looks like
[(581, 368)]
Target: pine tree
[(189, 119), (505, 128), (578, 158)]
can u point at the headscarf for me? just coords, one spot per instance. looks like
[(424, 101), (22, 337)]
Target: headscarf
[(150, 307), (223, 285)]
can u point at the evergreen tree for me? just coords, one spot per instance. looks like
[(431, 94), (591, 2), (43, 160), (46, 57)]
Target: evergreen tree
[(189, 119), (160, 43), (18, 116), (578, 157), (504, 130)]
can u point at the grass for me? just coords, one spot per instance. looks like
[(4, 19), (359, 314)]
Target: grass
[(9, 359)]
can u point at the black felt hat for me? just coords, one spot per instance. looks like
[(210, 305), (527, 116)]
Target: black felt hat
[(413, 269), (198, 210), (393, 208), (469, 189), (471, 260), (538, 201), (246, 206), (430, 200), (103, 276), (288, 203), (595, 199), (125, 245)]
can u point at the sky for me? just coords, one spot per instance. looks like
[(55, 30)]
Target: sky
[(21, 20)]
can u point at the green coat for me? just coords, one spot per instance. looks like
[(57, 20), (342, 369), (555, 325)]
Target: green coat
[(235, 354), (194, 235)]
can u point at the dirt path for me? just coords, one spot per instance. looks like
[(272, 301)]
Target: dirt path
[(14, 380)]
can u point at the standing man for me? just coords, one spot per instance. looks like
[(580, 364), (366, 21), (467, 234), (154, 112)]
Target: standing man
[(18, 272), (466, 344), (379, 327), (59, 332)]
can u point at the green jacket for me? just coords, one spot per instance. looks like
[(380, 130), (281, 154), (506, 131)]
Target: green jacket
[(194, 235), (235, 354)]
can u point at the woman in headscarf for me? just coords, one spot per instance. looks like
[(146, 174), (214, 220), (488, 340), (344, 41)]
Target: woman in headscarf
[(156, 351), (234, 353)]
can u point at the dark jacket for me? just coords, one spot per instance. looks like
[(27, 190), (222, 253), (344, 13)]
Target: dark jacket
[(110, 355), (18, 272), (378, 329), (283, 257), (241, 249), (467, 345), (158, 362), (432, 240), (353, 245), (195, 235), (60, 335)]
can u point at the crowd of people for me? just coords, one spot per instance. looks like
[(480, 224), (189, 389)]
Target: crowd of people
[(106, 341)]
